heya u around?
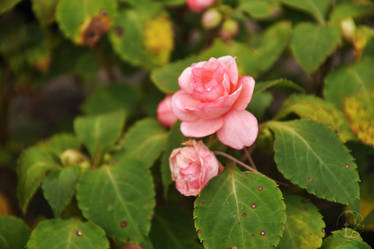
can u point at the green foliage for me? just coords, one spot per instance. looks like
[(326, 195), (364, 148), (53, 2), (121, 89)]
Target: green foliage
[(314, 108), (344, 239), (112, 97), (7, 5), (61, 142), (45, 11), (354, 10), (167, 232), (14, 233), (322, 42), (263, 86), (145, 141), (260, 9), (64, 234), (97, 132), (33, 165), (317, 8), (311, 156), (304, 227), (126, 195), (349, 80), (247, 210), (59, 187)]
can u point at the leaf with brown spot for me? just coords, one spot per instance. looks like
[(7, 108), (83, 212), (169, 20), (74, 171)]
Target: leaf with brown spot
[(85, 21)]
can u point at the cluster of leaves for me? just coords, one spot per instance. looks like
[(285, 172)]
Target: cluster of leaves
[(103, 177)]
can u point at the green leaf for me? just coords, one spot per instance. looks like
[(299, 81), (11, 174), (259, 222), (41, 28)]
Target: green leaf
[(174, 141), (145, 141), (317, 8), (88, 66), (259, 103), (304, 227), (33, 165), (61, 142), (240, 210), (269, 46), (126, 199), (65, 234), (59, 188), (137, 37), (322, 42), (357, 244), (14, 233), (111, 98), (85, 21), (263, 86), (260, 9), (45, 11), (167, 231), (310, 155), (349, 80), (317, 109), (353, 10), (345, 238), (99, 131), (6, 5)]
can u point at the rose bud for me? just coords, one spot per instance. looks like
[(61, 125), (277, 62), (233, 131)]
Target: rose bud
[(165, 115), (213, 99), (229, 29), (192, 167), (211, 19), (199, 5)]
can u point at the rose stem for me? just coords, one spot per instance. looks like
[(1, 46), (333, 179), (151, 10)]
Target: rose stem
[(236, 161), (250, 158)]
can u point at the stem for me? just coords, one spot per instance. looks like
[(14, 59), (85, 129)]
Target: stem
[(249, 157), (236, 161)]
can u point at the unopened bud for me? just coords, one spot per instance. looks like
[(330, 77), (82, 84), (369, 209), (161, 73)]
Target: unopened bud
[(348, 28), (211, 19), (73, 157), (229, 29)]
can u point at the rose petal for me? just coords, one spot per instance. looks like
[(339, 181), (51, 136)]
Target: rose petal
[(229, 63), (184, 106), (239, 129), (185, 80), (248, 84), (212, 110), (201, 127)]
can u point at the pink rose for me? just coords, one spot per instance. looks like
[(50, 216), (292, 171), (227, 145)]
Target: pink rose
[(213, 99), (199, 5), (165, 115), (192, 167)]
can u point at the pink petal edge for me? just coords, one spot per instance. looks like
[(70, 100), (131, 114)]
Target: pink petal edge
[(248, 86), (239, 130), (201, 127)]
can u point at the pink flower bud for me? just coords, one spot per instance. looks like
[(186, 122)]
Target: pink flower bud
[(164, 113), (229, 29), (192, 167), (199, 5), (211, 19)]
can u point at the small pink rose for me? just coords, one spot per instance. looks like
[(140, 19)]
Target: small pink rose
[(199, 5), (165, 115), (192, 167), (213, 99)]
